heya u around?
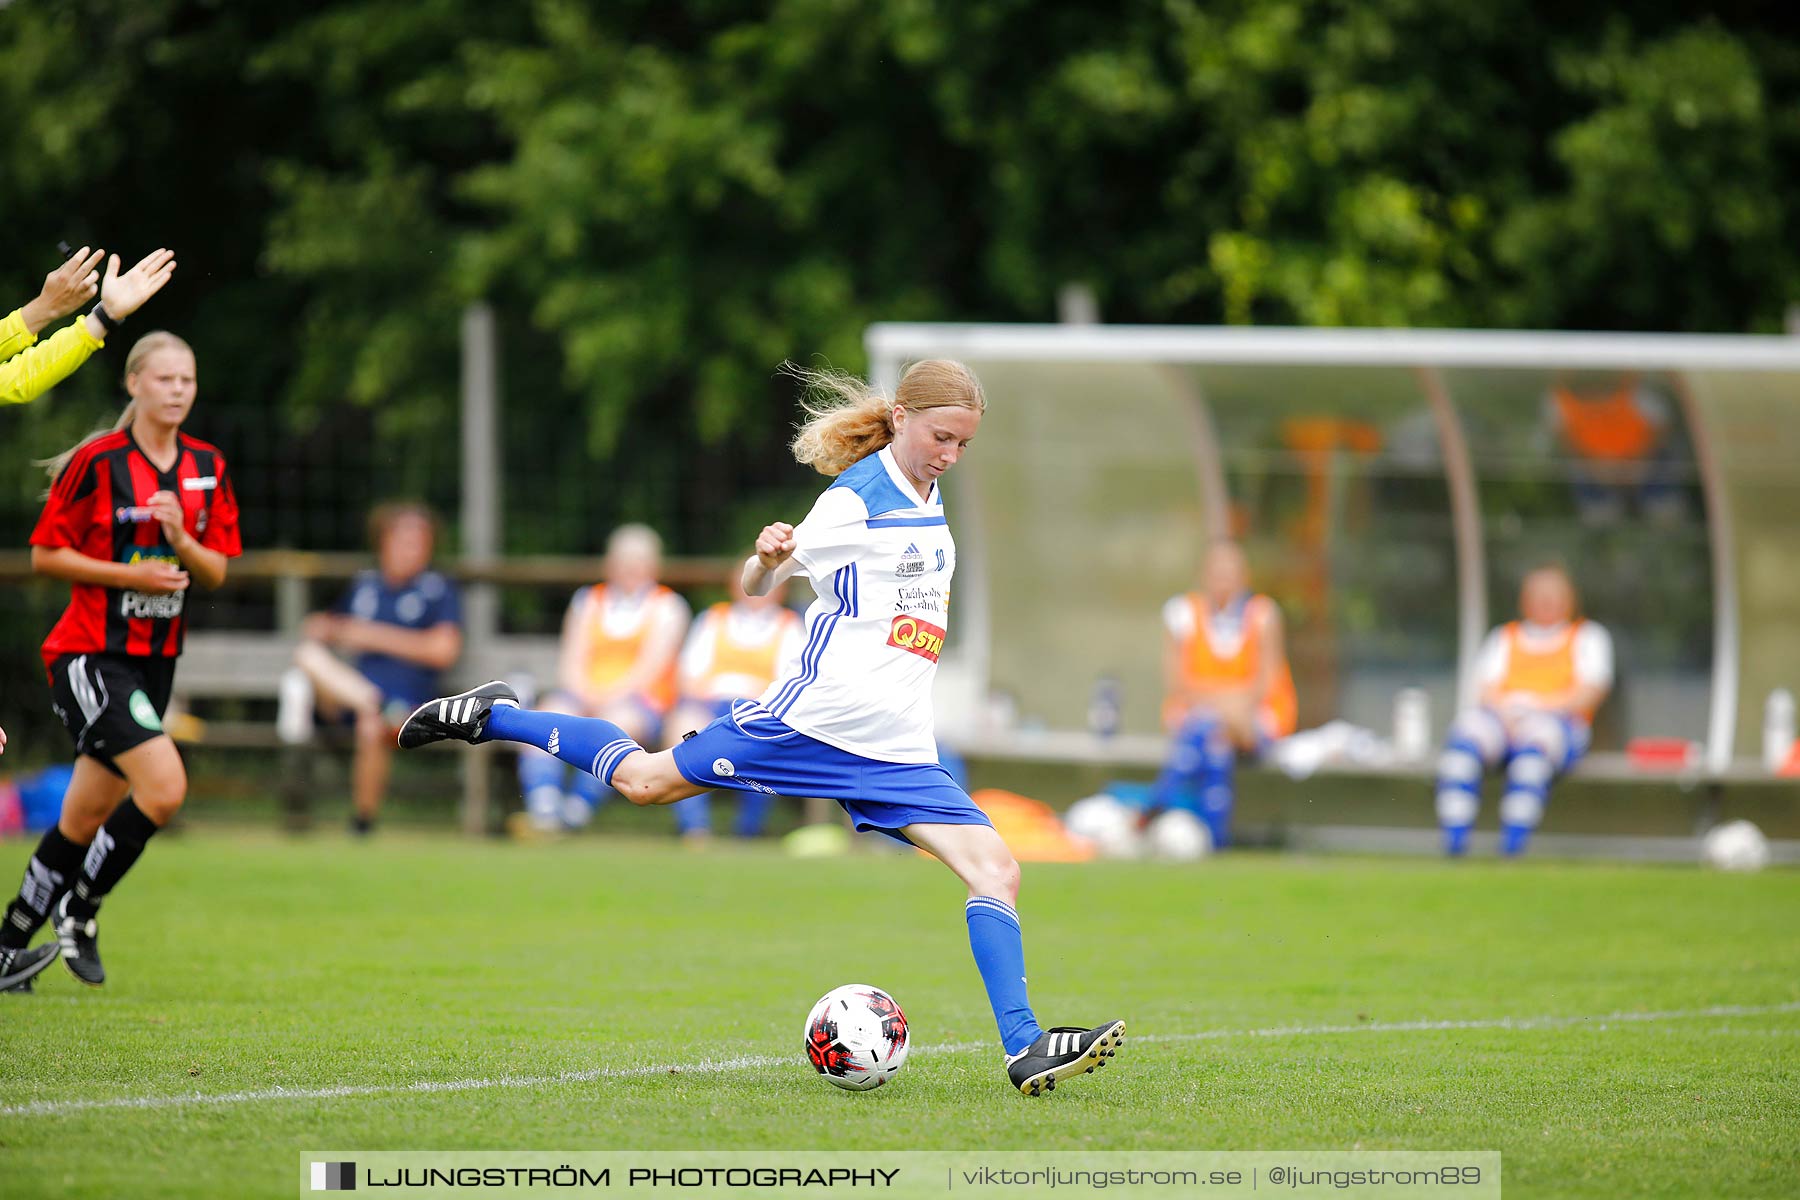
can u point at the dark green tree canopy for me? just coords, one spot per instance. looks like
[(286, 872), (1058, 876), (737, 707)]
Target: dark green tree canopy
[(664, 201)]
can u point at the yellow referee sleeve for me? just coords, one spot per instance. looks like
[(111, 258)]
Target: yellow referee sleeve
[(14, 337), (26, 376)]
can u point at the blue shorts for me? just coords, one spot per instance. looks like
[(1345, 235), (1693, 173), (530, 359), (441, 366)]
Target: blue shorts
[(748, 750)]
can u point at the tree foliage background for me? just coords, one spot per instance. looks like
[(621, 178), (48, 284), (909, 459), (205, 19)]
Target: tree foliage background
[(665, 200)]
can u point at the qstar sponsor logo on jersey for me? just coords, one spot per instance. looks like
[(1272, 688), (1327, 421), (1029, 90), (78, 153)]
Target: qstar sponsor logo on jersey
[(916, 637)]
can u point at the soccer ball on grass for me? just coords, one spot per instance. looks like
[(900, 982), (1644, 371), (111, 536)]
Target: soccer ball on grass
[(856, 1037)]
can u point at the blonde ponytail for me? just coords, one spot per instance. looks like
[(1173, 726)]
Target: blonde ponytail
[(848, 419), (141, 349)]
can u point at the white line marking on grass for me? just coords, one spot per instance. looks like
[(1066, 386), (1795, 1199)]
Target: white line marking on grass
[(52, 1108), (1601, 1022)]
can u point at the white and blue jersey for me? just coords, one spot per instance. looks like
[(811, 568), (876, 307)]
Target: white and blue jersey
[(881, 560), (851, 720)]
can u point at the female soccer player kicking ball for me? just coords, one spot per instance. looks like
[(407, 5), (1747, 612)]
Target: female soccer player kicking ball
[(851, 719)]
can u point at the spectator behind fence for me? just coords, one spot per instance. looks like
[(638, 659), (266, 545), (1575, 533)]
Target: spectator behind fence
[(620, 642), (1230, 690), (398, 625), (1541, 680), (734, 652)]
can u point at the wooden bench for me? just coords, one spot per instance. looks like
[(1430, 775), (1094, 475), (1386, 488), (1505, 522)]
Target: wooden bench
[(249, 666)]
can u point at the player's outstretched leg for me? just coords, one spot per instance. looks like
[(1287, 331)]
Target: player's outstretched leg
[(461, 718), (1062, 1052), (491, 712), (18, 966)]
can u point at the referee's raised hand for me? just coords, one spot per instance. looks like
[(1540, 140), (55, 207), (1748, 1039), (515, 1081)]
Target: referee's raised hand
[(65, 289), (125, 294), (775, 545)]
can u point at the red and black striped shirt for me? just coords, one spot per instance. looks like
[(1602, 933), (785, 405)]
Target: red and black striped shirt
[(99, 506)]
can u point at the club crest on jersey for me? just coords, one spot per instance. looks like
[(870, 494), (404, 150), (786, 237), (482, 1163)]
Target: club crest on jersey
[(916, 637), (912, 563)]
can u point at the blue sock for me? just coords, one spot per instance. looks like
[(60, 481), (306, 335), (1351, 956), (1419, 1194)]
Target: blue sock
[(693, 815), (1528, 778), (1217, 794), (589, 790), (1513, 839), (1185, 769), (753, 813), (1456, 840), (588, 743), (999, 951), (538, 771)]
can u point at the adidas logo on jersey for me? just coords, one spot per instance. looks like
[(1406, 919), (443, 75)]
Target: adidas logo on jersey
[(555, 740), (912, 563)]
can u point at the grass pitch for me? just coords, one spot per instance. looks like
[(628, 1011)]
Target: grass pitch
[(1611, 1030)]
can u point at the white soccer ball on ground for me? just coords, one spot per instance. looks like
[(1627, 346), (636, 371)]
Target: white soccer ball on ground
[(1110, 825), (1735, 846), (856, 1037), (1179, 836)]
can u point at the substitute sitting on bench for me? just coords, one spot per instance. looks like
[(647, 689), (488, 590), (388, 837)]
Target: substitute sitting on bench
[(397, 626)]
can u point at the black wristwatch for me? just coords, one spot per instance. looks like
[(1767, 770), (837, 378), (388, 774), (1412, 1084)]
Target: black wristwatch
[(107, 321)]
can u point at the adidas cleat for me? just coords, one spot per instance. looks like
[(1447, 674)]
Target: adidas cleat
[(18, 967), (79, 940), (1062, 1052), (460, 718)]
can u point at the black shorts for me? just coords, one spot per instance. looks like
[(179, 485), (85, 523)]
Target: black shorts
[(110, 703)]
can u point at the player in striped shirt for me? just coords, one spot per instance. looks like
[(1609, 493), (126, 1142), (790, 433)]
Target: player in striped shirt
[(851, 719), (29, 368), (133, 516)]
